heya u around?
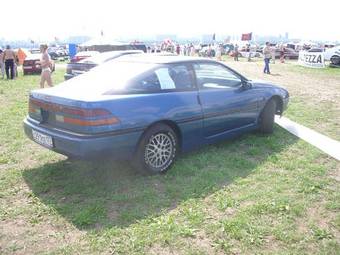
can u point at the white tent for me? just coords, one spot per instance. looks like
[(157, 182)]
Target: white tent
[(102, 40)]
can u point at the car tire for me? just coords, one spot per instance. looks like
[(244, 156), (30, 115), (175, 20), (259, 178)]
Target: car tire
[(335, 60), (157, 150), (267, 117)]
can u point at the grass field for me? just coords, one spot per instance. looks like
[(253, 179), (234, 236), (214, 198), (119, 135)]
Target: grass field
[(252, 195)]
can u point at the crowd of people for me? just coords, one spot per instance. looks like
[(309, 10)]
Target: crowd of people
[(10, 59), (268, 52)]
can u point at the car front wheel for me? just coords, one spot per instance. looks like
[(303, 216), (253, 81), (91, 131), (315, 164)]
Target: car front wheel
[(157, 150), (267, 117), (335, 60)]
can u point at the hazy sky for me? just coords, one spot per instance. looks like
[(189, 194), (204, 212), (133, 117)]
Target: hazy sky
[(44, 20)]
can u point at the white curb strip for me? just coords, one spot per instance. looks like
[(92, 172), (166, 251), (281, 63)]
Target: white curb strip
[(324, 143)]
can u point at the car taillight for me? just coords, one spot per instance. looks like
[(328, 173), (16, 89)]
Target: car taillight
[(75, 116), (85, 122)]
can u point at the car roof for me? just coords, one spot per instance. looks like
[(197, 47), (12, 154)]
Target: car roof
[(87, 53), (161, 59), (102, 57)]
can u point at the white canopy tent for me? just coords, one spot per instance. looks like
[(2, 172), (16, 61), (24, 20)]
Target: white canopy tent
[(104, 43), (102, 40)]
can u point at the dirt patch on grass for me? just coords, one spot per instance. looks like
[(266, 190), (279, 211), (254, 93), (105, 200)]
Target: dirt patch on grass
[(20, 237), (335, 174), (157, 249), (317, 216)]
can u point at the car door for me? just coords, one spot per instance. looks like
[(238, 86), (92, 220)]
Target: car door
[(226, 104), (171, 96)]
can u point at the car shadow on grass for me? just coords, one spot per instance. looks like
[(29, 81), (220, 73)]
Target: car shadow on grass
[(103, 194)]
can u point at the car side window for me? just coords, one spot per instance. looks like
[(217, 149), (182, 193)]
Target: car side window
[(171, 77), (214, 76), (181, 76), (147, 83)]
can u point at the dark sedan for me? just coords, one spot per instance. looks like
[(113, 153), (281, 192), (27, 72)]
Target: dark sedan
[(150, 109), (74, 69), (288, 53)]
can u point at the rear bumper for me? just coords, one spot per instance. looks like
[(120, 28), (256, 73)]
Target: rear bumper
[(116, 146), (31, 69)]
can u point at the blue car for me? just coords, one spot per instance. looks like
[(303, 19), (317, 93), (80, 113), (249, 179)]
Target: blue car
[(149, 109)]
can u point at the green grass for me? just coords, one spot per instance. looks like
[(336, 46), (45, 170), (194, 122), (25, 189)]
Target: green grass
[(323, 117), (252, 195), (327, 71)]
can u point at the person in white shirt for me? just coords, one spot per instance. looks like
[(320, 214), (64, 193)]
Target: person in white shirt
[(266, 55)]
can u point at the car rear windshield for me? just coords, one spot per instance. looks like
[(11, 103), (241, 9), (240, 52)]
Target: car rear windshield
[(108, 78), (158, 78)]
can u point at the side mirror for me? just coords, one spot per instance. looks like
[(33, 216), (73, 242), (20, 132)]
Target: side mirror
[(246, 85)]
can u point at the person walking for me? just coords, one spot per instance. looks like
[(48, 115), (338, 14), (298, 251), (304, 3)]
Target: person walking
[(236, 53), (266, 56), (192, 50), (178, 49), (9, 58), (45, 63), (219, 53), (2, 64)]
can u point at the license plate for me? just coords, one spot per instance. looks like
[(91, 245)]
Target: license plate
[(27, 67), (42, 139)]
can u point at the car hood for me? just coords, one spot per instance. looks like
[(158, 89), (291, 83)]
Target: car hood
[(260, 84), (33, 57)]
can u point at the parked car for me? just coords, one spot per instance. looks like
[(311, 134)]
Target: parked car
[(288, 53), (84, 54), (85, 65), (332, 52), (54, 55), (316, 50), (139, 46), (57, 52), (150, 109), (335, 60), (31, 63), (204, 51)]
